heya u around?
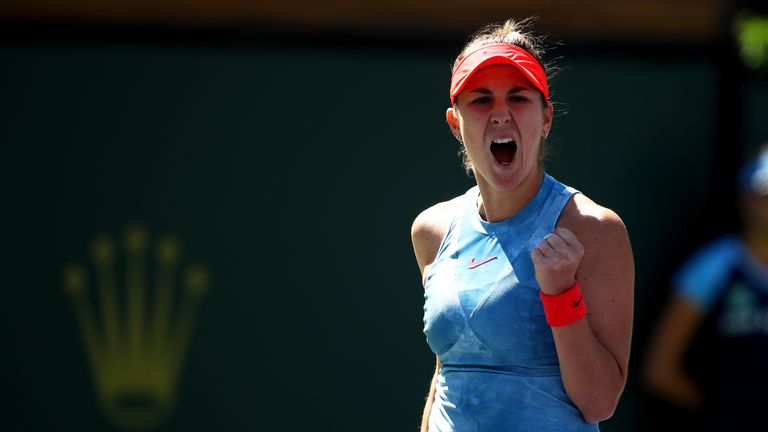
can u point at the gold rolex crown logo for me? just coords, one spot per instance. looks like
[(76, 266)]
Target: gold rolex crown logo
[(136, 333)]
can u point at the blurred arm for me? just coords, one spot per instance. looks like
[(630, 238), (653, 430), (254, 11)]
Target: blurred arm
[(664, 372)]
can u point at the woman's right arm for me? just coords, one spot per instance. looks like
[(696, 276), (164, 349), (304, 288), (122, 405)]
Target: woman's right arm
[(427, 233)]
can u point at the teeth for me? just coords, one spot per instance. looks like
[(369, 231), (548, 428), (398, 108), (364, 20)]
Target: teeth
[(502, 140)]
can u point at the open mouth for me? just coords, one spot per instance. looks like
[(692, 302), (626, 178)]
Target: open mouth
[(504, 150)]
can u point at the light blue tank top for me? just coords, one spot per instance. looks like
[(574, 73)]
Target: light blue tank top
[(484, 320)]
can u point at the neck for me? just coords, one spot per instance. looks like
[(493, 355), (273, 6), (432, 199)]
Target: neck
[(494, 205)]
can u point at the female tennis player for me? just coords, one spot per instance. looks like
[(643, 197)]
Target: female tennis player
[(528, 283)]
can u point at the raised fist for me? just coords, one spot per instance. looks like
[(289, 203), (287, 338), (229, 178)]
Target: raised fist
[(556, 259)]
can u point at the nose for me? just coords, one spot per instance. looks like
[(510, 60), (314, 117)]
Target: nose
[(501, 114)]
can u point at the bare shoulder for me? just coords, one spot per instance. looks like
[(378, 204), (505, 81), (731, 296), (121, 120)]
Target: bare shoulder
[(429, 228), (591, 222), (607, 264)]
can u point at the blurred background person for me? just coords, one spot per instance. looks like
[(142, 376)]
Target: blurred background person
[(709, 354)]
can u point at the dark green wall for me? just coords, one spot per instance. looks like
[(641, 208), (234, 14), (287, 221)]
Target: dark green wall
[(294, 174), (754, 124)]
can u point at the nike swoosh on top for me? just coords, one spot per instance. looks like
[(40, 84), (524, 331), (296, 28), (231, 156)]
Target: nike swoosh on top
[(472, 263)]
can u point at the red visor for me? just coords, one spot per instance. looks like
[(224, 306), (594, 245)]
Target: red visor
[(499, 54)]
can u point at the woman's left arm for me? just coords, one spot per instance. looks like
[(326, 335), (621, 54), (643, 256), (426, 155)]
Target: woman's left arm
[(591, 246)]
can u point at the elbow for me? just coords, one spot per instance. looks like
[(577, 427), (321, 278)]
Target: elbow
[(598, 406), (599, 411), (599, 403), (654, 378), (658, 376), (596, 416)]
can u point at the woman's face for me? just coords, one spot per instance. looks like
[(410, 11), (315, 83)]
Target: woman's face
[(501, 119)]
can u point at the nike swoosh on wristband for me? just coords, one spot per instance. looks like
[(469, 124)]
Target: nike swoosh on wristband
[(578, 302), (472, 263)]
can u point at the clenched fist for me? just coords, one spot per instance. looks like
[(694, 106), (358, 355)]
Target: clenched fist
[(556, 259)]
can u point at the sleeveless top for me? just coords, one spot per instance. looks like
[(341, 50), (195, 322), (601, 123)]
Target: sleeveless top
[(484, 320), (729, 353)]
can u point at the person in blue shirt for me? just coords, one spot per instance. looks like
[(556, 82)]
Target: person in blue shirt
[(709, 353), (528, 284)]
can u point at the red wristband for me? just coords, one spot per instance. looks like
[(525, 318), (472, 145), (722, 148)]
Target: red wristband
[(564, 308)]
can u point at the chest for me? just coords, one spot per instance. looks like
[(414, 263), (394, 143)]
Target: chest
[(482, 299)]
